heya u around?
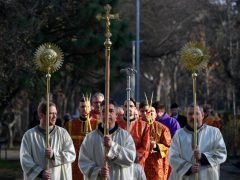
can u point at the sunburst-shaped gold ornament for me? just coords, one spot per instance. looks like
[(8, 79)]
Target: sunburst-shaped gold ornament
[(149, 114), (194, 56), (48, 57), (87, 99)]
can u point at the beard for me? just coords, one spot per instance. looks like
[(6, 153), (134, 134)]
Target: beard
[(131, 114), (191, 123)]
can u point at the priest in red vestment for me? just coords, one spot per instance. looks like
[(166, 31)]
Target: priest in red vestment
[(138, 129), (78, 128), (156, 165)]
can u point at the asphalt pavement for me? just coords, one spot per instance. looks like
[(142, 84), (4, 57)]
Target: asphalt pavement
[(228, 171)]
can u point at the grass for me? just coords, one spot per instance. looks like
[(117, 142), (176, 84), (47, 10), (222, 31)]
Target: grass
[(10, 170)]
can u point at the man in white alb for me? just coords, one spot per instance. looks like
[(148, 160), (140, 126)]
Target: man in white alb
[(33, 152), (120, 148), (210, 153)]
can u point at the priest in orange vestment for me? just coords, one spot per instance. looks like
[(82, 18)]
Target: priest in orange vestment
[(209, 117), (156, 165), (138, 129), (78, 128)]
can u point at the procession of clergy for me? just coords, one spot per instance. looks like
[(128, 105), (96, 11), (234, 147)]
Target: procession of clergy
[(154, 146)]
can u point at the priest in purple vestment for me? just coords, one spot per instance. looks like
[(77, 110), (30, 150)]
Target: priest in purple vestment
[(165, 119)]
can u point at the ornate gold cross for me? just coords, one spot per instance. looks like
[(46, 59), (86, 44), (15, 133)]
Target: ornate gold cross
[(108, 17)]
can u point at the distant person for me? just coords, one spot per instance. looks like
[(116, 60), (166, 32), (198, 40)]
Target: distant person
[(210, 118), (209, 153), (96, 101), (138, 129), (78, 128), (33, 151), (182, 120), (59, 122), (165, 119), (66, 117), (120, 112)]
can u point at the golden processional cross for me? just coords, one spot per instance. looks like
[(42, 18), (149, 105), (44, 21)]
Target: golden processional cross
[(107, 17)]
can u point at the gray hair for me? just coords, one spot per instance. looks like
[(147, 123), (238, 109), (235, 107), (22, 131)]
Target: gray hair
[(97, 94), (197, 106)]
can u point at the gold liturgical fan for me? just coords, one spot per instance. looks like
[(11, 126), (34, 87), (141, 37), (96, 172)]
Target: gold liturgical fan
[(48, 59), (195, 57)]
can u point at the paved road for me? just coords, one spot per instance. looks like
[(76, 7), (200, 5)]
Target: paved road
[(228, 171)]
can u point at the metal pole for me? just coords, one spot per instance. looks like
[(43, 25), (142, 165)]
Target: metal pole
[(133, 80), (128, 89), (48, 76), (138, 48), (195, 140), (107, 88), (129, 72)]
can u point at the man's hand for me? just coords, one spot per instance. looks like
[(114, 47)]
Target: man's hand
[(47, 174), (105, 171), (49, 152), (195, 168), (197, 154), (107, 141), (153, 145)]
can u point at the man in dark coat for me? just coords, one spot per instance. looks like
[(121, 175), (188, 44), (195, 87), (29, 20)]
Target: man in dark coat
[(182, 120)]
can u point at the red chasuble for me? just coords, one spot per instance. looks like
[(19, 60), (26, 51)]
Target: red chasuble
[(78, 129), (140, 133), (156, 165)]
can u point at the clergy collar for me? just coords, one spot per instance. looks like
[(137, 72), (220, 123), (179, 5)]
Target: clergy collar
[(43, 131), (111, 131), (83, 118), (191, 129), (131, 120)]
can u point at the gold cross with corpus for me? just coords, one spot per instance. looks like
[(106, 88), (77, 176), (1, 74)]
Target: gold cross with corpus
[(107, 17)]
